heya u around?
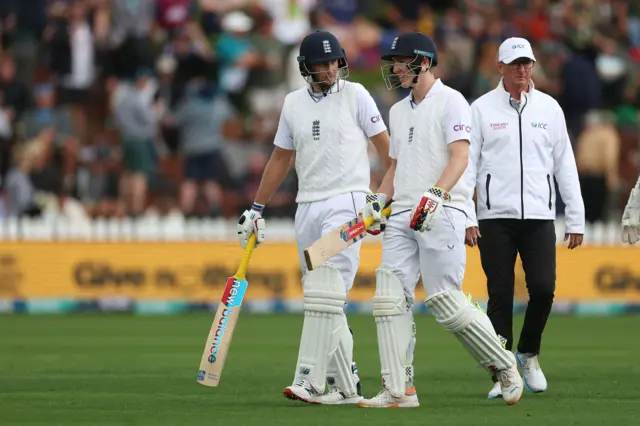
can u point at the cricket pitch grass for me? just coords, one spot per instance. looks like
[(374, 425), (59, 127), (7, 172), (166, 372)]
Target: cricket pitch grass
[(121, 369)]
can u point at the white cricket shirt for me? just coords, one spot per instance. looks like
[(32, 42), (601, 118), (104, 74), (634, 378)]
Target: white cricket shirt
[(420, 138), (330, 136)]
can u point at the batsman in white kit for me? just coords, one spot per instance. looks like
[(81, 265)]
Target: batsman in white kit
[(328, 125), (430, 136)]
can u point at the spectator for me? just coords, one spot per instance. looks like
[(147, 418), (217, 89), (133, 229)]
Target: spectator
[(137, 122), (21, 200), (72, 52), (199, 118), (597, 160), (52, 124)]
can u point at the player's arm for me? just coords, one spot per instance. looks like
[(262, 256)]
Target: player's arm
[(457, 131), (458, 161), (386, 187), (565, 171), (274, 173), (381, 144)]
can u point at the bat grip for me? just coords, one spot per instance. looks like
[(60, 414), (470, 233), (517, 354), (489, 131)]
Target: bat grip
[(385, 212), (241, 274)]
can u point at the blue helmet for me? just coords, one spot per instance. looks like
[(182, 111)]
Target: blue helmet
[(413, 45), (319, 47)]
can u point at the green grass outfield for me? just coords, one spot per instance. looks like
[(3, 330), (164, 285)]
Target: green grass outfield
[(116, 369)]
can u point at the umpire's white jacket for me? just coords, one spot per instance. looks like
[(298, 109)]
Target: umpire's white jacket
[(514, 156)]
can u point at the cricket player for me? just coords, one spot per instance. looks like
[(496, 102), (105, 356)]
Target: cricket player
[(631, 217), (430, 134), (328, 125)]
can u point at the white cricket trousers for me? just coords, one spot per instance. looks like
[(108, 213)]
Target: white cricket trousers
[(439, 254), (315, 219)]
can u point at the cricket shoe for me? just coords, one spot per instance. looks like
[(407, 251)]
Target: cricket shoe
[(534, 380), (303, 391), (495, 392), (385, 400), (510, 384), (336, 396)]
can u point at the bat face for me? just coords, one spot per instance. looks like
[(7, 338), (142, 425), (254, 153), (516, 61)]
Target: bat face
[(221, 332), (231, 300), (353, 230)]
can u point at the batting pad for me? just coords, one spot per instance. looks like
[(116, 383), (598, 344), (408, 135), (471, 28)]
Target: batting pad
[(324, 299), (471, 327), (396, 331), (341, 357)]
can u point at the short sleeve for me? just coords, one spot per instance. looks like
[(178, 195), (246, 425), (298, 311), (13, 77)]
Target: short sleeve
[(369, 116), (457, 119), (284, 138)]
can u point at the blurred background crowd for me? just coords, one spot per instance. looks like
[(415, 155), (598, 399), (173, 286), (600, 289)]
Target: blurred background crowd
[(115, 108)]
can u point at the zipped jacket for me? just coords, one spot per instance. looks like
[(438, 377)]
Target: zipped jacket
[(516, 150)]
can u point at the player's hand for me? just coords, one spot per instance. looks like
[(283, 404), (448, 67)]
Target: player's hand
[(251, 222), (471, 236), (631, 218), (425, 212), (575, 240), (373, 209)]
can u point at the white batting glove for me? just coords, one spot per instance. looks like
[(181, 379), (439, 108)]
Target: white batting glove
[(425, 213), (373, 208), (631, 218), (251, 222)]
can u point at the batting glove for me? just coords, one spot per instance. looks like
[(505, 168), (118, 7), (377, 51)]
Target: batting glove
[(251, 222), (631, 218), (425, 212), (373, 208)]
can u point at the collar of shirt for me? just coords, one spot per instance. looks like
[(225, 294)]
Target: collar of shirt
[(435, 88), (317, 97), (515, 103)]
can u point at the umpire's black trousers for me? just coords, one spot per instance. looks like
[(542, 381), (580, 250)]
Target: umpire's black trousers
[(501, 241)]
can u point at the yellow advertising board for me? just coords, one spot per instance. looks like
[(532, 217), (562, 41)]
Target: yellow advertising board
[(198, 271)]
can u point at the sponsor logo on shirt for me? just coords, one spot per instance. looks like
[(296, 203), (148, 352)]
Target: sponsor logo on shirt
[(376, 118), (498, 126), (542, 126), (462, 127)]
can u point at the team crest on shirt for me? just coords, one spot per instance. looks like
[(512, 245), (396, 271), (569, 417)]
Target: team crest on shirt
[(410, 135), (315, 130)]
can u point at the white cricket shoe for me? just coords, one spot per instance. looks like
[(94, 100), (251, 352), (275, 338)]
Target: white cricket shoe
[(510, 384), (335, 396), (495, 392), (302, 391), (385, 400), (534, 379)]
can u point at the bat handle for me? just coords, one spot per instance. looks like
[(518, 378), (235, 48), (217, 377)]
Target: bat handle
[(385, 212), (241, 274)]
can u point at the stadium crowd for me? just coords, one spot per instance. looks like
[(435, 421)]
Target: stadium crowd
[(169, 107)]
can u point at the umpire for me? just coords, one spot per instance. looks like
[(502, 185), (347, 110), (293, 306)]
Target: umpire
[(519, 142)]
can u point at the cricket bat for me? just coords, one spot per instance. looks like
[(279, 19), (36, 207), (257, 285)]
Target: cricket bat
[(224, 323), (339, 239)]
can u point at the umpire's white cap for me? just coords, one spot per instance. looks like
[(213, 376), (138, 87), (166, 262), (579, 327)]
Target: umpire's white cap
[(514, 48)]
